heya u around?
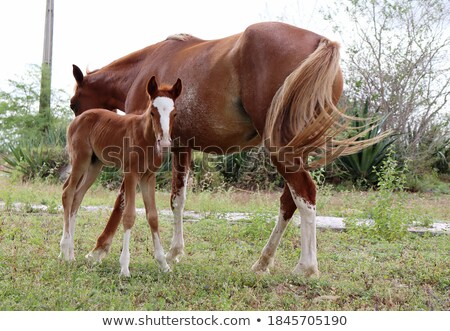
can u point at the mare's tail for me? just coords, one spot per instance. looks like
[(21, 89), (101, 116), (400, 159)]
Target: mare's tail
[(303, 120)]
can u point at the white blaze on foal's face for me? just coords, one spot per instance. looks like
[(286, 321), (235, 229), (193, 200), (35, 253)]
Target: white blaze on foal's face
[(164, 106)]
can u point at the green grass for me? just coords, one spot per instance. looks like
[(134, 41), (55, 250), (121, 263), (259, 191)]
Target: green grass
[(356, 273), (412, 274)]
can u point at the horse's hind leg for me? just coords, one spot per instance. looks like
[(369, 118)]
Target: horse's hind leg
[(303, 197), (147, 185), (128, 218), (180, 174), (303, 191), (287, 209), (88, 179), (80, 166), (104, 241), (67, 250)]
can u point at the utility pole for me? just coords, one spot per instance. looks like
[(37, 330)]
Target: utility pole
[(46, 69)]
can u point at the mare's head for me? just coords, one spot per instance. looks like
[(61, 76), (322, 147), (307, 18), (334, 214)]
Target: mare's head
[(162, 110), (89, 93)]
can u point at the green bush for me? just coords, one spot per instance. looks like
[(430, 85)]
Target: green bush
[(205, 173), (250, 170), (431, 182), (390, 217), (432, 152), (111, 178)]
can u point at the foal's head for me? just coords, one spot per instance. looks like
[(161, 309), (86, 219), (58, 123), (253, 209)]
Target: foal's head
[(162, 110)]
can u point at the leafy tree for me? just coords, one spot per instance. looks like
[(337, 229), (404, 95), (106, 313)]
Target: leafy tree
[(398, 58), (20, 120), (33, 142)]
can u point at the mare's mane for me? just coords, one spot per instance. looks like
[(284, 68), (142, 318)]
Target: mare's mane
[(135, 55), (180, 37)]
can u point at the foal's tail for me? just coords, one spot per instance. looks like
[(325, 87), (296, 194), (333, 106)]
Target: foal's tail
[(303, 120)]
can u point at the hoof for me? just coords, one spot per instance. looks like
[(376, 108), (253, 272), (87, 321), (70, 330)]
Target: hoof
[(67, 257), (67, 250), (310, 271), (261, 271), (174, 255), (125, 273), (97, 255), (261, 268), (263, 265), (166, 269)]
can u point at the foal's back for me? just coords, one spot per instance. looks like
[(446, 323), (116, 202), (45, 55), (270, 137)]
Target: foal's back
[(109, 136)]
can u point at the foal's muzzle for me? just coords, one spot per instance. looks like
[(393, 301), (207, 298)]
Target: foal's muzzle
[(164, 143)]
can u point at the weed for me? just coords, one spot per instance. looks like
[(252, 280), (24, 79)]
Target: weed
[(52, 207), (28, 208), (391, 218), (8, 201)]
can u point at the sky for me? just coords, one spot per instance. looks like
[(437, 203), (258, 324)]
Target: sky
[(93, 33)]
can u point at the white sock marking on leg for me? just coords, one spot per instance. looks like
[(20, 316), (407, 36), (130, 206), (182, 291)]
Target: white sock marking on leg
[(125, 256), (159, 253), (308, 256)]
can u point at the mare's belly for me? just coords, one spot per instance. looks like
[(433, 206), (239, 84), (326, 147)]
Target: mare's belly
[(224, 129)]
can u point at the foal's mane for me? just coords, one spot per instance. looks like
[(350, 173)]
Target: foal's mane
[(164, 88), (88, 72)]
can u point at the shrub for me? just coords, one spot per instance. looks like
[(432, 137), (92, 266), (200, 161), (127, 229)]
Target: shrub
[(390, 218), (250, 170), (205, 174)]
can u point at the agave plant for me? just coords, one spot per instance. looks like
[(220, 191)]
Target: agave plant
[(34, 161), (361, 167)]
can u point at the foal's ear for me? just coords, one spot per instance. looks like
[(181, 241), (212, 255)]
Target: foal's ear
[(78, 74), (152, 87), (176, 89)]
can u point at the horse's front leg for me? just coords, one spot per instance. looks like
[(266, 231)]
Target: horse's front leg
[(147, 185), (180, 173)]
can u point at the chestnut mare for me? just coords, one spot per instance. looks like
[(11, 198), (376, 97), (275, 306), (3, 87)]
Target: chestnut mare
[(274, 84), (132, 143)]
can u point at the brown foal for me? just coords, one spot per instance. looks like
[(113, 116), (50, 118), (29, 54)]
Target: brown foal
[(133, 143)]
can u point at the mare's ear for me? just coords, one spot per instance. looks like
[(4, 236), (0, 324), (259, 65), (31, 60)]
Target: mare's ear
[(176, 89), (78, 74), (152, 87)]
